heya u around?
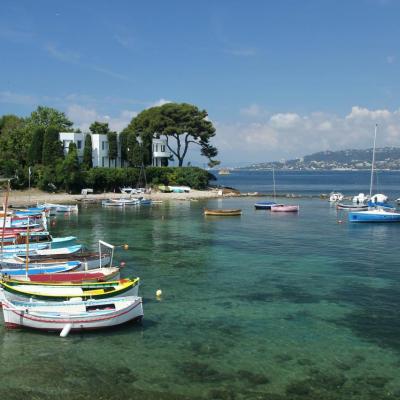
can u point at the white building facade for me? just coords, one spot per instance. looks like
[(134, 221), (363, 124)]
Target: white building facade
[(160, 155)]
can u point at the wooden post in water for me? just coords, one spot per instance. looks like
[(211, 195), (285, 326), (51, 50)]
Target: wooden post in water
[(27, 251)]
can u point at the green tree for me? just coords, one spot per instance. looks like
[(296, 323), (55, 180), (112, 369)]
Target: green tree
[(47, 117), (52, 147), (181, 124), (134, 150), (100, 128), (87, 161), (123, 144), (14, 140), (71, 170), (112, 147), (36, 148)]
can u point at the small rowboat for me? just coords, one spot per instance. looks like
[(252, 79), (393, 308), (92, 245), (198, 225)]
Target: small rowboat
[(17, 290), (223, 213), (264, 205), (284, 208), (71, 266), (93, 275), (73, 315)]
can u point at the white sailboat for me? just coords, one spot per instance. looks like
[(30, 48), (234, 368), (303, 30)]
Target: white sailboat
[(379, 211)]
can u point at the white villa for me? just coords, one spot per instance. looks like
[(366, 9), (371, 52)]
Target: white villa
[(161, 154)]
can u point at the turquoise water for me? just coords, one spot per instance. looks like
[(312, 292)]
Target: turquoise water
[(262, 306)]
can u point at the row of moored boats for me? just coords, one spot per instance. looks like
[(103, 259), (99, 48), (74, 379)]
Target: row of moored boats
[(364, 208), (54, 284)]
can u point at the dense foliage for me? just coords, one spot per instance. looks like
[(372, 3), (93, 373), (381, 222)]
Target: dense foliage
[(33, 144), (181, 125)]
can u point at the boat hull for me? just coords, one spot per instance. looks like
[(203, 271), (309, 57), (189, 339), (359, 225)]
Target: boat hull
[(223, 213), (264, 205), (94, 275), (17, 290), (374, 216), (55, 316), (283, 208)]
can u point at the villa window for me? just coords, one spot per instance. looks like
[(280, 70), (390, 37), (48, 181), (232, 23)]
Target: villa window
[(79, 144), (163, 148), (102, 147)]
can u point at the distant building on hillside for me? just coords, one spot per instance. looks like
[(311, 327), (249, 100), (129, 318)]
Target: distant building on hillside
[(100, 158)]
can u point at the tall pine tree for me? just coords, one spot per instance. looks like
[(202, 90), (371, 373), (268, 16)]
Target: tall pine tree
[(35, 153), (52, 147), (87, 161)]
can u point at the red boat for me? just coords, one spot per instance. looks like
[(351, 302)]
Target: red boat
[(93, 275)]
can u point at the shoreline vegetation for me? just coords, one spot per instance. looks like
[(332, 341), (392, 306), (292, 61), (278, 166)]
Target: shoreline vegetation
[(20, 198)]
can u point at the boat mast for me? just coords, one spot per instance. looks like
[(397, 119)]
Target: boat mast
[(273, 179), (373, 162), (5, 205)]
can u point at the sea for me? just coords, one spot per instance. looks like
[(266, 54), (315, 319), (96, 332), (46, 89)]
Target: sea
[(262, 306)]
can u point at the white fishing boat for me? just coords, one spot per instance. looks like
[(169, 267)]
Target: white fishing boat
[(361, 198), (73, 315), (335, 197)]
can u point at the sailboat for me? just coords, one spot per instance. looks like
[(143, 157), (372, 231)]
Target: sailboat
[(266, 205), (283, 207), (379, 211)]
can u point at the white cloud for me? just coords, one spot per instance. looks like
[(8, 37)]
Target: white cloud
[(291, 135), (17, 98), (360, 113), (285, 120), (253, 110), (159, 103)]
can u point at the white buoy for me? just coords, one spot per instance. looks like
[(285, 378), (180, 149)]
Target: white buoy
[(66, 330), (159, 293)]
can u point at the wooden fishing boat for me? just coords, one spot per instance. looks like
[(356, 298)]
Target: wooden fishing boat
[(10, 272), (93, 275), (285, 208), (87, 260), (17, 290), (223, 212), (72, 315)]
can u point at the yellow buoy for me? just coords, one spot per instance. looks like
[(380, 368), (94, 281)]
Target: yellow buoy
[(159, 293), (126, 247)]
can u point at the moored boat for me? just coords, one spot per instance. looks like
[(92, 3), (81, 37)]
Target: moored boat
[(264, 205), (285, 208), (351, 207), (93, 275), (10, 272), (73, 315), (223, 212), (17, 290), (377, 215), (335, 197)]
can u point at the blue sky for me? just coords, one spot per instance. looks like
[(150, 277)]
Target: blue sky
[(279, 79)]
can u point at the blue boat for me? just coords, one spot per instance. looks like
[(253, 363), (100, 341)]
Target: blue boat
[(378, 215), (264, 205), (39, 270)]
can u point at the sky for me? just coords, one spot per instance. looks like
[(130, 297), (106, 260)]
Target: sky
[(279, 79)]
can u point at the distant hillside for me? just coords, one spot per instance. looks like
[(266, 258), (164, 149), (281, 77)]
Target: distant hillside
[(386, 158)]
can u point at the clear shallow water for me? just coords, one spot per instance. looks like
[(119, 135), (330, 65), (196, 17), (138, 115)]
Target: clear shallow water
[(261, 306)]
